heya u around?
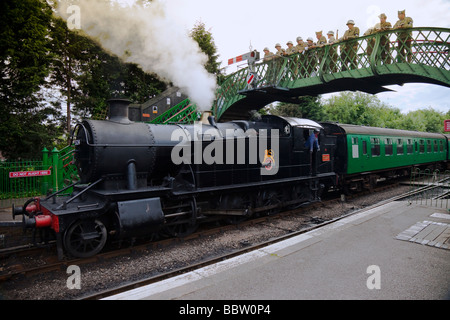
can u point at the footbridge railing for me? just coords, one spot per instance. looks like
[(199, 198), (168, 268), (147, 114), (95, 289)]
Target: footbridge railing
[(367, 64)]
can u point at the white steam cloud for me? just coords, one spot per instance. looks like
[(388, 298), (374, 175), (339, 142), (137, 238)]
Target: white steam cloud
[(150, 37)]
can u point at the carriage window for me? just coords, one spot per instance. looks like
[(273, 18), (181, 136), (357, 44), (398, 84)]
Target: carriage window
[(375, 142), (428, 146), (364, 147), (355, 148), (436, 146), (441, 146), (410, 147), (388, 148), (422, 146), (399, 146)]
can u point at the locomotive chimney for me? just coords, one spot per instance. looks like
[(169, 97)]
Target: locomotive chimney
[(118, 110)]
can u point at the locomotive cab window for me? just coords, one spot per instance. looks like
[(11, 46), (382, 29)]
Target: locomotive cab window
[(399, 147), (388, 147), (375, 142)]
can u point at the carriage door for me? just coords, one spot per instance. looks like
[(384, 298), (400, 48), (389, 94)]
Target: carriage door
[(365, 153)]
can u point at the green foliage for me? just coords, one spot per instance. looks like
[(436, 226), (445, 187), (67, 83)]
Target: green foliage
[(309, 107), (25, 62), (365, 109), (206, 43), (360, 109), (46, 67), (428, 120)]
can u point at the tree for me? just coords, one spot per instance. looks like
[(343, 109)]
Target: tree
[(309, 107), (365, 109), (25, 59), (206, 43), (361, 109), (427, 120)]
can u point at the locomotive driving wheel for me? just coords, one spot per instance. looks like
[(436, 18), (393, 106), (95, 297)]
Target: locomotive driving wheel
[(183, 221), (85, 238)]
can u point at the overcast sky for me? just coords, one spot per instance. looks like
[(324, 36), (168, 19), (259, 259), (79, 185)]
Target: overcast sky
[(237, 24)]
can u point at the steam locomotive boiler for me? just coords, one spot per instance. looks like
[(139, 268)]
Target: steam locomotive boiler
[(145, 180)]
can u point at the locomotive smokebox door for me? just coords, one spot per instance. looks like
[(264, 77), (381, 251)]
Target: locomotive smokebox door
[(140, 217)]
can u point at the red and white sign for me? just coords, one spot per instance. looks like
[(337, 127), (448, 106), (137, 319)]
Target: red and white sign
[(250, 78), (234, 60), (447, 125), (27, 174)]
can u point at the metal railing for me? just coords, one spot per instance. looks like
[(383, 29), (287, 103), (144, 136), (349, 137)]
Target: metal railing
[(432, 188), (417, 51), (184, 112), (25, 179)]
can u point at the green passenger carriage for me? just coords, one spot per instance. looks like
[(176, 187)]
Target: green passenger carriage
[(364, 154)]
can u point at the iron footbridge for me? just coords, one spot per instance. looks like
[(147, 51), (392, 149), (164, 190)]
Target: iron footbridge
[(366, 64)]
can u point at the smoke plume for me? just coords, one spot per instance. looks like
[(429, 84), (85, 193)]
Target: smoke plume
[(150, 37)]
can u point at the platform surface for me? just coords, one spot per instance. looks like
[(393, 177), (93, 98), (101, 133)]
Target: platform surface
[(381, 253)]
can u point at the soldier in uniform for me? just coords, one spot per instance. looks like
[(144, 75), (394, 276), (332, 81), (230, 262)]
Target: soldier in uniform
[(349, 50), (268, 55), (310, 57), (321, 41), (269, 59), (278, 61), (291, 49), (331, 38), (292, 61), (404, 38), (370, 42), (385, 44), (333, 52), (301, 45), (301, 61), (280, 51)]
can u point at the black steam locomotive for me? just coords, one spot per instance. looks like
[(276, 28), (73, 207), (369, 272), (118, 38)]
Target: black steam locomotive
[(143, 180)]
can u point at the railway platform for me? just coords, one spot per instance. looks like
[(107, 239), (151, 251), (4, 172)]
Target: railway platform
[(396, 251)]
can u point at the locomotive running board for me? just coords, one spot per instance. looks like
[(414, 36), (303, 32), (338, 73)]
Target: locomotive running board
[(234, 187), (250, 211)]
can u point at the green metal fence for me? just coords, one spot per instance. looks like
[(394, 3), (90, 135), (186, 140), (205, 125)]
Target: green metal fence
[(184, 112), (22, 179)]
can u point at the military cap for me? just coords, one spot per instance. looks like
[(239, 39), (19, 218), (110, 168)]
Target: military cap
[(310, 39), (277, 45), (401, 12), (266, 49), (382, 16), (350, 22), (299, 39), (319, 32), (289, 42), (331, 32)]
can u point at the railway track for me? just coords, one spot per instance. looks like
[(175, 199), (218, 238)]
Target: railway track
[(235, 253), (47, 260)]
